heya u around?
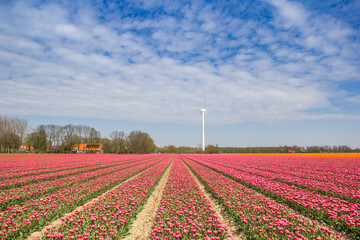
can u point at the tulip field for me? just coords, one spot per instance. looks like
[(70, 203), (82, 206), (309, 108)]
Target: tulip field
[(100, 196)]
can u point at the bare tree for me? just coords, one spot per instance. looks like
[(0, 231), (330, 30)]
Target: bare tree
[(14, 131), (79, 132), (86, 133), (38, 139), (94, 136), (51, 136), (58, 135), (21, 128), (6, 132), (118, 139), (68, 137)]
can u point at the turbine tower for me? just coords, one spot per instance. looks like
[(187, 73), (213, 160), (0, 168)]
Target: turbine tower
[(203, 112)]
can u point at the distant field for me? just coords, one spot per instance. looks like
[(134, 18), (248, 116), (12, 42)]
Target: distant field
[(345, 155), (186, 196)]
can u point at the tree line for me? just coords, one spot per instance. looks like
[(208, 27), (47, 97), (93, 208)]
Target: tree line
[(209, 149), (15, 132), (215, 149), (290, 149), (12, 133)]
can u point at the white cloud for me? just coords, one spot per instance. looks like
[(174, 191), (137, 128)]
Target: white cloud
[(354, 99), (68, 31), (292, 12), (159, 69)]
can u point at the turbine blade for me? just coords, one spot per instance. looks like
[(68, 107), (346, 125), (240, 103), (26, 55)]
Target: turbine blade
[(207, 117)]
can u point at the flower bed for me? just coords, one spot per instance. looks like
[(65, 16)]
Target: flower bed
[(20, 220), (110, 216), (340, 214), (259, 217), (16, 166), (18, 182), (184, 211), (332, 183), (18, 195)]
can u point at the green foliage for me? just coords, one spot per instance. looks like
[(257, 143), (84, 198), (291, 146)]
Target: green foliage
[(212, 149), (119, 143), (107, 146), (37, 139), (141, 142), (12, 131), (287, 149)]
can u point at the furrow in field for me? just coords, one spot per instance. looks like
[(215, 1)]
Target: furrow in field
[(110, 216), (338, 213), (338, 170), (141, 227), (102, 161), (28, 164), (258, 216), (224, 217), (346, 189), (35, 213), (19, 182), (184, 211), (15, 166), (14, 196)]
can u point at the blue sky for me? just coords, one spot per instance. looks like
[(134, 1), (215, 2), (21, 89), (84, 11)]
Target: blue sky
[(274, 72)]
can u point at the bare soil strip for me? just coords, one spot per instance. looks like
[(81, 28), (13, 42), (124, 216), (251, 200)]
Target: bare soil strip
[(319, 223), (38, 234), (142, 225), (233, 229)]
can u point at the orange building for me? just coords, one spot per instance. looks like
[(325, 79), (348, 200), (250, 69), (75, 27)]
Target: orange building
[(25, 148), (88, 148)]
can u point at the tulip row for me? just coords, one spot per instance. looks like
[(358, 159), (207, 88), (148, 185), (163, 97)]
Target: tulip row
[(317, 168), (347, 189), (18, 182), (20, 220), (345, 178), (110, 216), (15, 166), (340, 214), (19, 165), (259, 217), (17, 195), (184, 210), (28, 162)]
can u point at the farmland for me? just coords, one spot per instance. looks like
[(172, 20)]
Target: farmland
[(186, 196)]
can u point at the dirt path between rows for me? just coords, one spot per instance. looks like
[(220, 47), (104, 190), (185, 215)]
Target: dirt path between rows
[(38, 234), (343, 235), (142, 226), (233, 229)]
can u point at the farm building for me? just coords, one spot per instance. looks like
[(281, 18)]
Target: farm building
[(24, 148), (88, 148)]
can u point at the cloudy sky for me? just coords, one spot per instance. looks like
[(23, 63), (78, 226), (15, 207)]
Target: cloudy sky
[(274, 72)]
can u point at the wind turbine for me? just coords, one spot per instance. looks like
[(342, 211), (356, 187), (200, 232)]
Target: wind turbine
[(203, 112)]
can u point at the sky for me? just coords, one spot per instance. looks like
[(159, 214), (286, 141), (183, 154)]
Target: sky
[(273, 72)]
